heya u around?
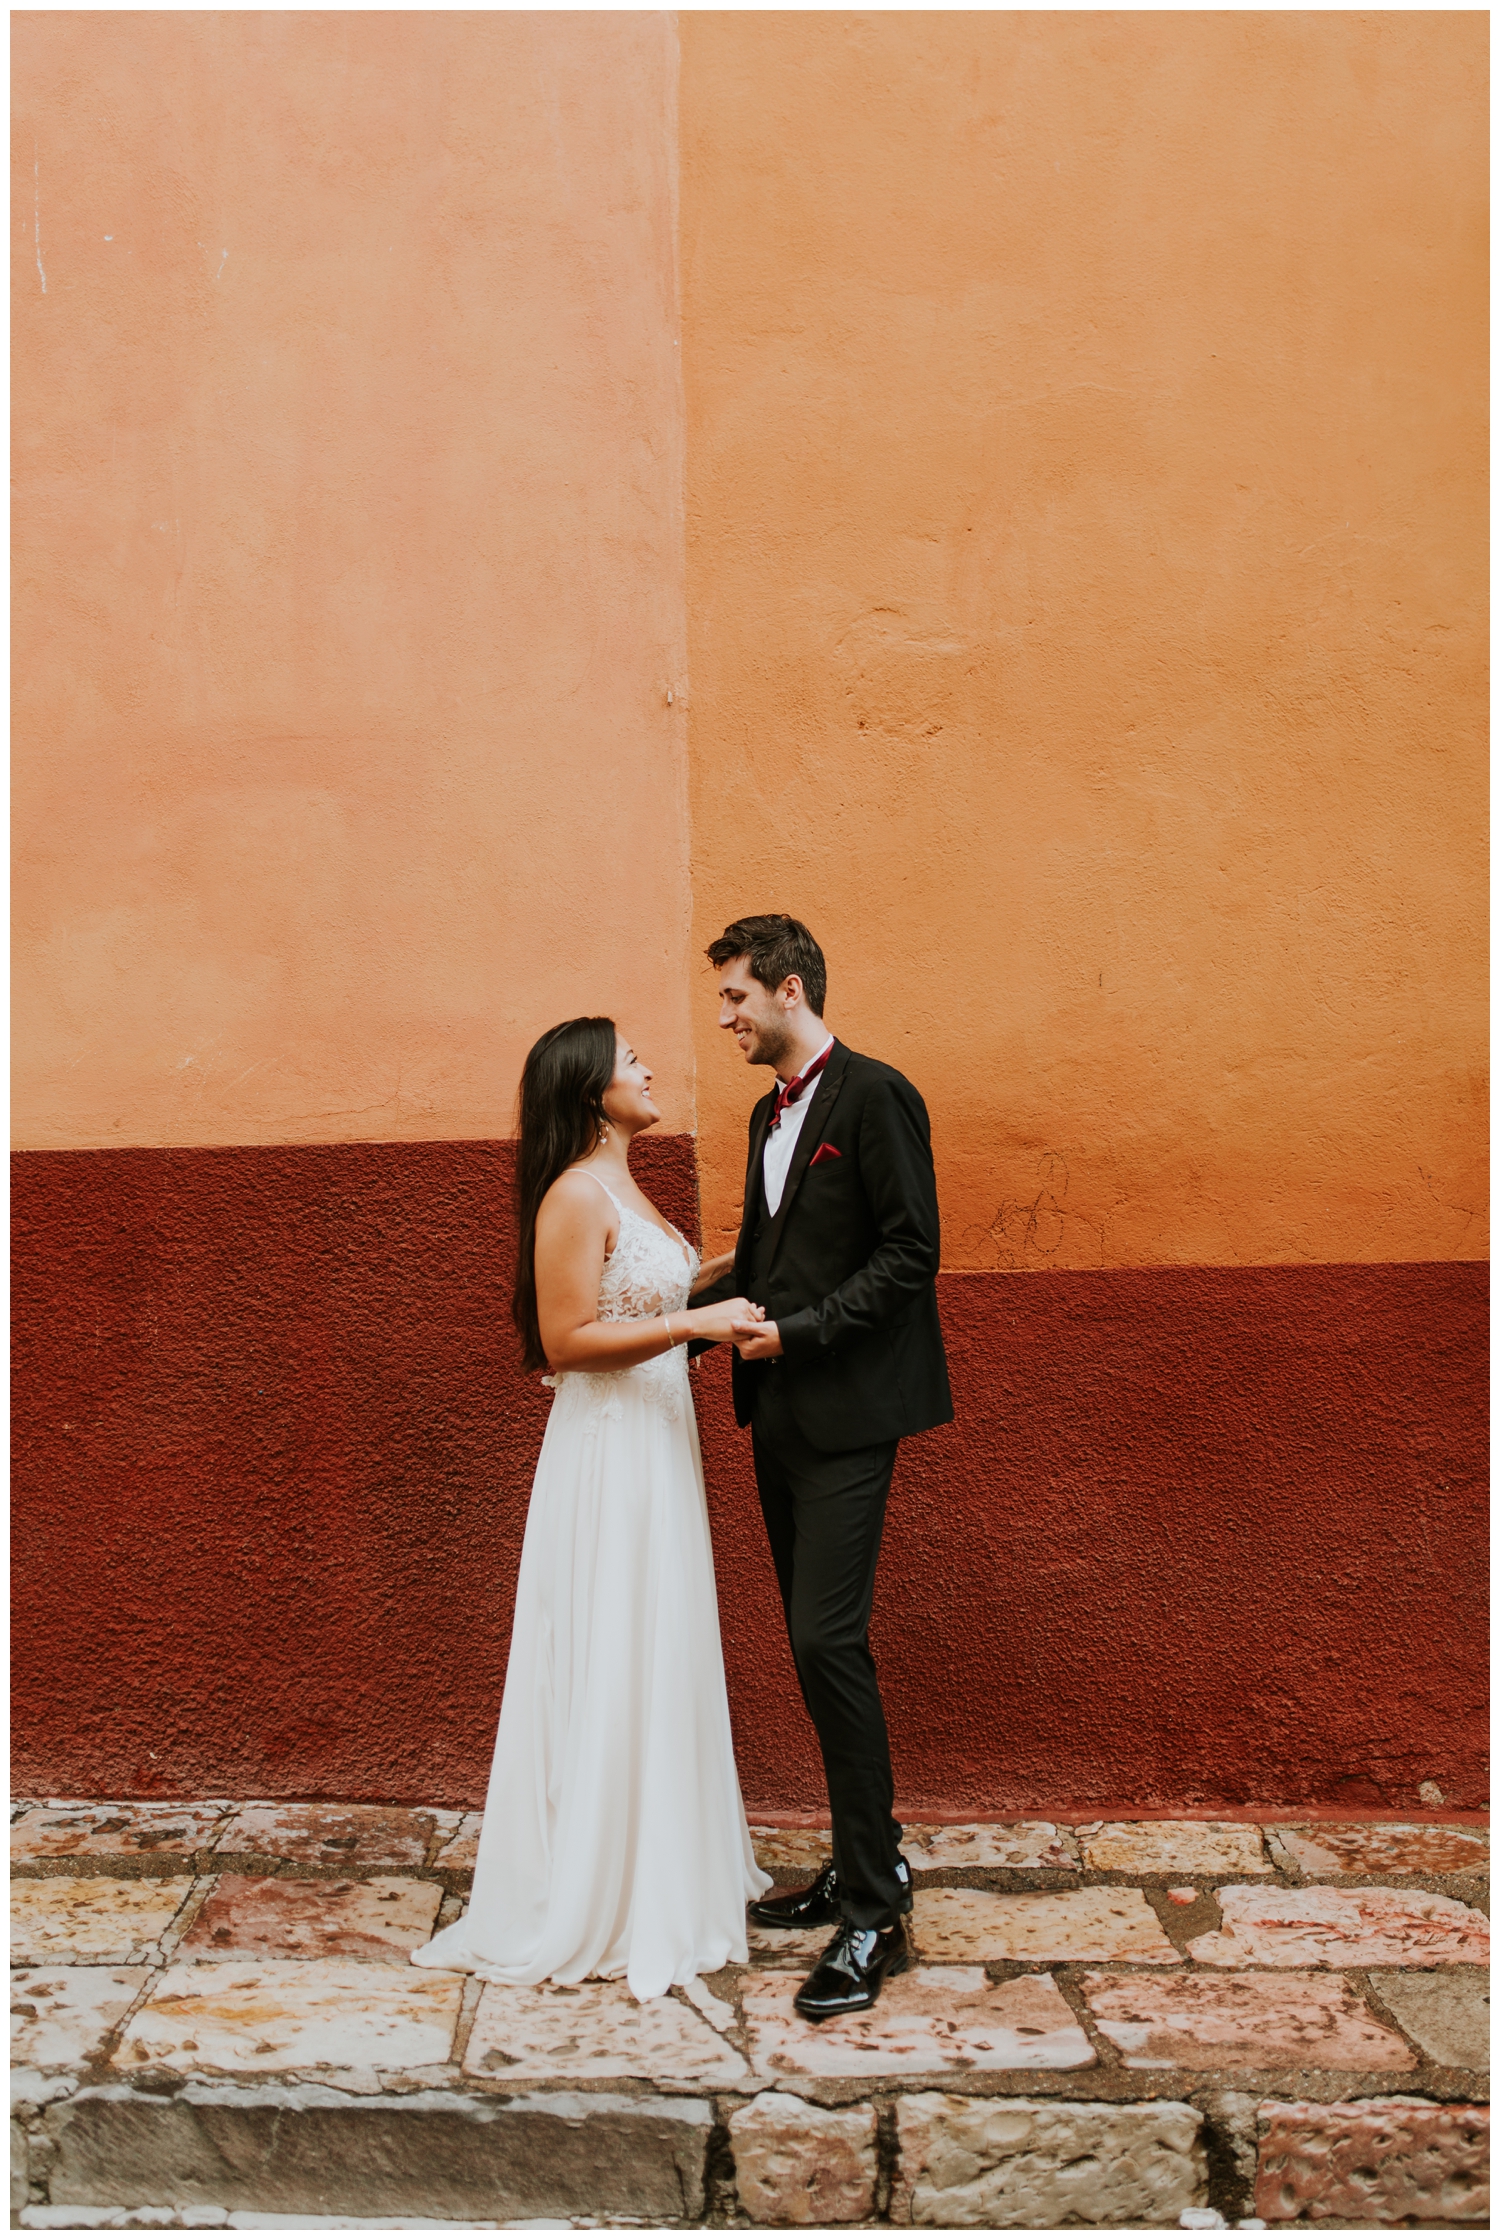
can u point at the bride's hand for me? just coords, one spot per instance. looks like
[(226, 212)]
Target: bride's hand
[(711, 1271), (717, 1323)]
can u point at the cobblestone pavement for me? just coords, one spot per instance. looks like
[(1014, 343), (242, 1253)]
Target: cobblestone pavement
[(1139, 2023)]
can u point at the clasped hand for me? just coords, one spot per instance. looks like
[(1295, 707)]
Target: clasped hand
[(741, 1323), (756, 1339)]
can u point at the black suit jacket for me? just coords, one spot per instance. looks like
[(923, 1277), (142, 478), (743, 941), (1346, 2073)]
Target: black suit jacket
[(845, 1267)]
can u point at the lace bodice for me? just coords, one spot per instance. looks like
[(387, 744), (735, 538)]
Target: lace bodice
[(648, 1273)]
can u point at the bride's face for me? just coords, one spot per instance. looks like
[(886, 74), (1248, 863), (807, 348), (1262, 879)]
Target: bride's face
[(627, 1100)]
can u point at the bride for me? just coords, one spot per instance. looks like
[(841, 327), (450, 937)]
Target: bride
[(614, 1838)]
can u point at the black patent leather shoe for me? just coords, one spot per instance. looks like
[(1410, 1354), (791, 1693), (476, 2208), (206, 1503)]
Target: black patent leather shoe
[(818, 1904), (848, 1977), (811, 1908)]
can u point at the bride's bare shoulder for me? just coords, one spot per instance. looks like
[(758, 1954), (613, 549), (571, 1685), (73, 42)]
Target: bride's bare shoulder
[(576, 1196)]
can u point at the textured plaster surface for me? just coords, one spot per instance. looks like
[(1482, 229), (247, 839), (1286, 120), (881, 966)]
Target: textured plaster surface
[(1138, 657), (348, 568), (1032, 1580), (318, 1478), (276, 1392), (1086, 579)]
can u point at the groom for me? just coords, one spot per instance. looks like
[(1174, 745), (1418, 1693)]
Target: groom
[(838, 1247)]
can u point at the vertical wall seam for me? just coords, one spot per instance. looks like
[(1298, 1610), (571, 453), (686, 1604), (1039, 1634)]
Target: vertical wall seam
[(682, 694)]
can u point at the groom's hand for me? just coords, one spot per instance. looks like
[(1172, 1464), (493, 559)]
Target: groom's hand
[(757, 1341)]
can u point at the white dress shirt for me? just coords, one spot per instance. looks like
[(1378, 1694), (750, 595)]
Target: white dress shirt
[(781, 1141)]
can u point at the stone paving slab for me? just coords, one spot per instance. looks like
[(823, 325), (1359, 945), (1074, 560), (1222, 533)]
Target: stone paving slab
[(66, 1829), (60, 2017), (461, 1848), (1242, 2022), (926, 2021), (251, 1986), (93, 1918), (1047, 1925), (1037, 2164), (1027, 1844), (595, 2030), (1447, 2013), (343, 1835), (249, 1916), (1380, 2161), (795, 2164), (1207, 1847), (1391, 1848), (793, 1855), (786, 1948), (1316, 1927), (228, 2017)]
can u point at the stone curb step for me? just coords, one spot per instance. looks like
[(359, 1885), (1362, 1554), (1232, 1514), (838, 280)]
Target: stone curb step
[(308, 2149), (1174, 2023), (259, 2157), (69, 2217)]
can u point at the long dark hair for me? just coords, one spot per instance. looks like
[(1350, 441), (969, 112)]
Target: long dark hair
[(561, 1113)]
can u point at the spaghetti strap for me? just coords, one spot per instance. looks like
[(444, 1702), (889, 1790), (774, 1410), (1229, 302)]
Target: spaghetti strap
[(623, 1211), (604, 1186)]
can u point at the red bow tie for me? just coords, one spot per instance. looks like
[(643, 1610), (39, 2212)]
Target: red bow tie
[(787, 1092)]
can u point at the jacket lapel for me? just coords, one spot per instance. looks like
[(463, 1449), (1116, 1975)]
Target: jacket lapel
[(760, 1121), (820, 1104)]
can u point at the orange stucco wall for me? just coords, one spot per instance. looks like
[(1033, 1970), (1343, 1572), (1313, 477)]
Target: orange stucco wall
[(1040, 455), (348, 567), (1085, 578)]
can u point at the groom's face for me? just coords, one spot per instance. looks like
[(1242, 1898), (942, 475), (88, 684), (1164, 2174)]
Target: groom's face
[(756, 1016)]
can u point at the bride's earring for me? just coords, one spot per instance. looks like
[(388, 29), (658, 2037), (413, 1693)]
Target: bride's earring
[(603, 1134)]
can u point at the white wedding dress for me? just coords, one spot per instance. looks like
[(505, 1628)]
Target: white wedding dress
[(614, 1838)]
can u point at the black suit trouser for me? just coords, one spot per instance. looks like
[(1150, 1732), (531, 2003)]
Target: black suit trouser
[(824, 1516)]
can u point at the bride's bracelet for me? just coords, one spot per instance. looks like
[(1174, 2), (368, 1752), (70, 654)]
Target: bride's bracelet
[(671, 1341)]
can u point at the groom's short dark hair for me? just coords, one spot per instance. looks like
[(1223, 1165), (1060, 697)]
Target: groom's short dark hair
[(775, 945)]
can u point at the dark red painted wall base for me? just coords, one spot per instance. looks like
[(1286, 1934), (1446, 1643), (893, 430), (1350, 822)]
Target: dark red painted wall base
[(1198, 1536)]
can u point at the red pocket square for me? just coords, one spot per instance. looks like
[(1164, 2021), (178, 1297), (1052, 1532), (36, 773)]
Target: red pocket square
[(825, 1151)]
